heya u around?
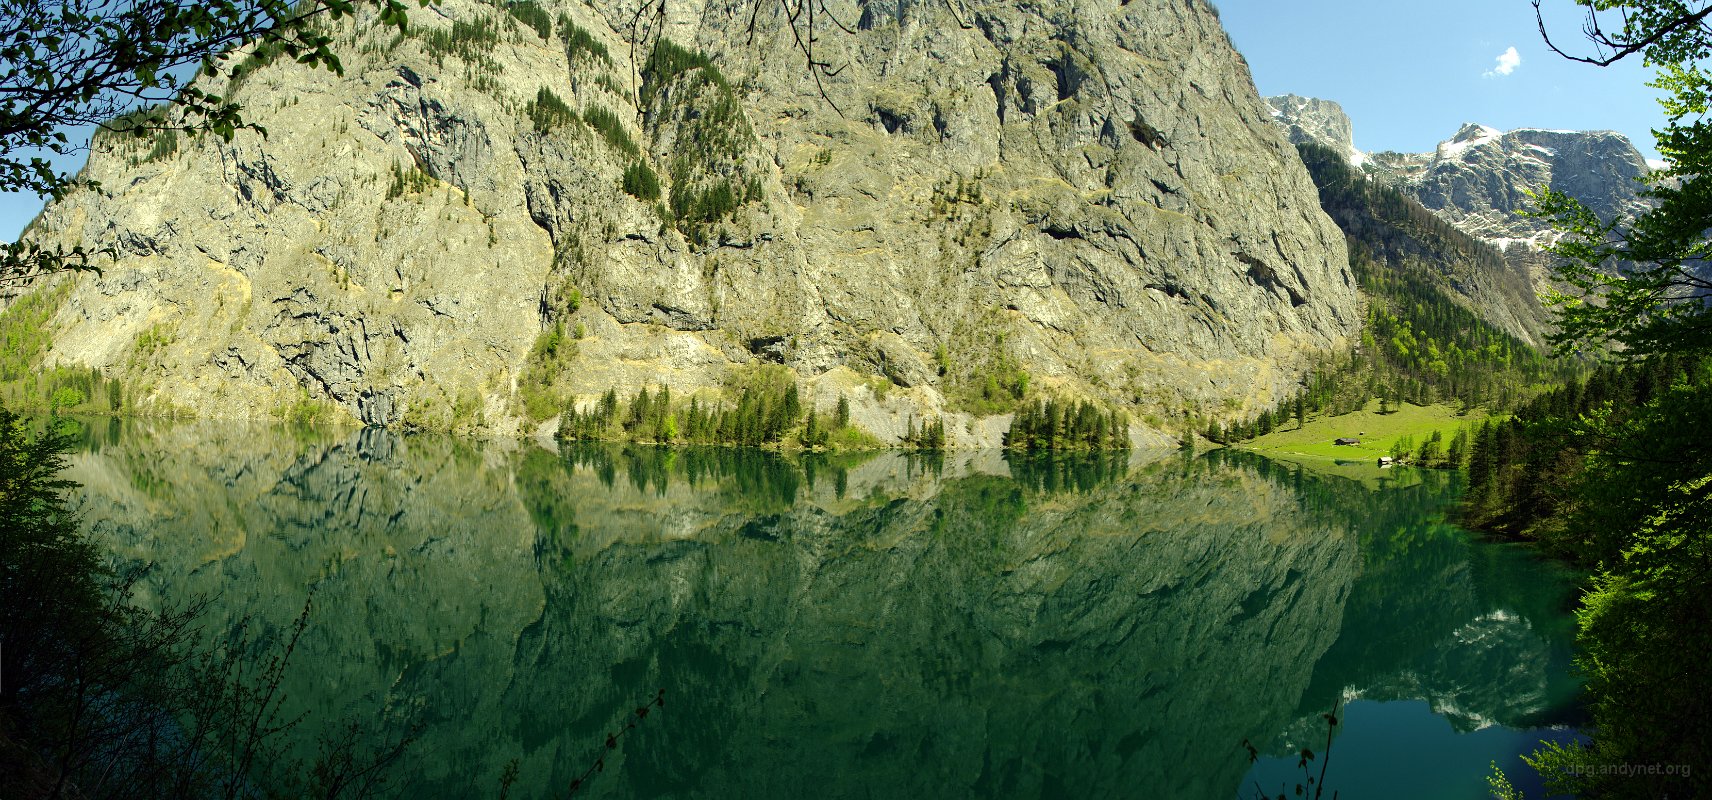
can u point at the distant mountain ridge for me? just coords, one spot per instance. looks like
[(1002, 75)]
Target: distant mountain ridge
[(1478, 178), (1312, 120), (1478, 181), (1405, 254)]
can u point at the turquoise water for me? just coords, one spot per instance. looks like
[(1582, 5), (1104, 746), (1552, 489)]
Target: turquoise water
[(879, 626)]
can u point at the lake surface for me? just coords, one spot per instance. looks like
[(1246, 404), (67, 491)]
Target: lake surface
[(879, 626)]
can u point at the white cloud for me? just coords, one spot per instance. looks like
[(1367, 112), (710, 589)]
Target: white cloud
[(1507, 63)]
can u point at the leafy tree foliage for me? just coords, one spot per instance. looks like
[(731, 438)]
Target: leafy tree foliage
[(467, 40), (548, 111), (407, 180), (104, 700), (641, 182), (50, 575), (533, 16), (978, 373), (552, 353), (606, 123), (1604, 472), (930, 435), (1522, 470), (71, 63), (1658, 301), (579, 42), (97, 697), (767, 409), (1615, 470), (1059, 471)]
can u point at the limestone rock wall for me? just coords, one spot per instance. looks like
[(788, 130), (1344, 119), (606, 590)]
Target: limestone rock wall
[(1089, 193)]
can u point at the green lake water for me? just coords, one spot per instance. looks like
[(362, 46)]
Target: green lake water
[(884, 626)]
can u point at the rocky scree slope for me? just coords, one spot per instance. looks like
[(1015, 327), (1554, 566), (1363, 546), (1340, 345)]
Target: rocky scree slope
[(510, 210)]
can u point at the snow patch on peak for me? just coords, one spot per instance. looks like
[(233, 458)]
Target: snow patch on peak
[(1474, 130), (1469, 135)]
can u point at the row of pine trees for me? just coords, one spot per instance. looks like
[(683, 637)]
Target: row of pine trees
[(761, 416), (774, 415), (1054, 424)]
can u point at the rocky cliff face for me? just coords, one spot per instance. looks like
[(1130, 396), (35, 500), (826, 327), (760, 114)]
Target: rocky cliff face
[(1091, 196)]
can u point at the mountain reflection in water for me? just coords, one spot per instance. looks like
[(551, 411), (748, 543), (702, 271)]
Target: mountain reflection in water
[(884, 625)]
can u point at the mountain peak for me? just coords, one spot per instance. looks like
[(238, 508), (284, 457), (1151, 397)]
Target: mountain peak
[(1311, 119), (1475, 179), (1471, 134), (1472, 131)]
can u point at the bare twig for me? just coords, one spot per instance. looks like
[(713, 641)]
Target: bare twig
[(1611, 50), (599, 765)]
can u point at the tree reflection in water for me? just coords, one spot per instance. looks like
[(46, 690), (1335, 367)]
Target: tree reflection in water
[(828, 625)]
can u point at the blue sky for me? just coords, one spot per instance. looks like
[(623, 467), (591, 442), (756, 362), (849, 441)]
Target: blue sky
[(17, 209), (1410, 73)]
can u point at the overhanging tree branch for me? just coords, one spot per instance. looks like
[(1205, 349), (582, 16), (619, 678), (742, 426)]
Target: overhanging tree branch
[(1612, 49)]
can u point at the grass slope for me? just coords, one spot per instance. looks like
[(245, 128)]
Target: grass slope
[(1377, 432)]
